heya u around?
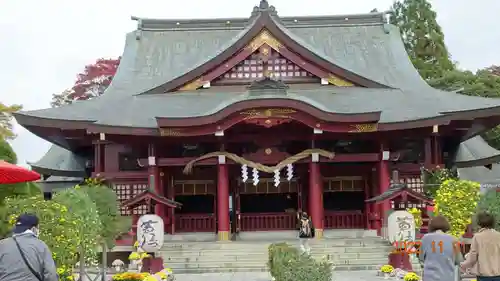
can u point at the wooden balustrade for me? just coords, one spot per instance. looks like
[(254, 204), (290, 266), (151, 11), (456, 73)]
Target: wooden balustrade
[(194, 223), (344, 219), (268, 221)]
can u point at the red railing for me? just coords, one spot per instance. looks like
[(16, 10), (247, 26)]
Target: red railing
[(194, 223), (344, 219), (268, 221)]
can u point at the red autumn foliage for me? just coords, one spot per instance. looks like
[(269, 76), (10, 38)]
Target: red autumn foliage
[(494, 69), (92, 82)]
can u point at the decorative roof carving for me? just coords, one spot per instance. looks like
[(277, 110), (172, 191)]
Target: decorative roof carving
[(267, 85), (264, 7)]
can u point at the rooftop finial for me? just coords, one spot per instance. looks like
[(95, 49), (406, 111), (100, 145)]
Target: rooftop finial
[(264, 5)]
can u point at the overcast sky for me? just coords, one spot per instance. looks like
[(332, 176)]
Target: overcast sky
[(44, 44)]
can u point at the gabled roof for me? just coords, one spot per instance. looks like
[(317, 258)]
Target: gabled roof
[(147, 197), (56, 183), (476, 152), (163, 54), (478, 161), (60, 162), (397, 190)]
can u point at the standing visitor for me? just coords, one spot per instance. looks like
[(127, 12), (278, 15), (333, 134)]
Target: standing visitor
[(25, 257), (484, 255), (305, 232), (439, 252)]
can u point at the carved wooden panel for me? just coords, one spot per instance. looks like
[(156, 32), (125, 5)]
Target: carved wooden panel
[(266, 186), (343, 184), (279, 68), (195, 187), (128, 191)]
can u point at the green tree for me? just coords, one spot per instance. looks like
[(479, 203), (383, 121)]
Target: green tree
[(7, 154), (85, 210), (483, 83), (490, 202), (106, 201), (422, 37), (12, 190), (6, 120)]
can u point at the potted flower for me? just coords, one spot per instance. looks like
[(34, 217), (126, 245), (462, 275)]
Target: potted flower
[(130, 276), (387, 270), (411, 276), (165, 274)]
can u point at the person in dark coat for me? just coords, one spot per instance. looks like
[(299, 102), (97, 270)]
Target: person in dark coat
[(25, 257)]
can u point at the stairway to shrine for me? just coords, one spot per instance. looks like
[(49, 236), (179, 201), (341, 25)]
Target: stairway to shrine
[(346, 250)]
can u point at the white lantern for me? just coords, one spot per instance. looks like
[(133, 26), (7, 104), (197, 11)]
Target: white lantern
[(401, 227), (150, 233)]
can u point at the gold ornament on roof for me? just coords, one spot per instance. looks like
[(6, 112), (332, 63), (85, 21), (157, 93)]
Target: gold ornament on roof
[(170, 132), (193, 85), (364, 128), (334, 80), (264, 37), (268, 112)]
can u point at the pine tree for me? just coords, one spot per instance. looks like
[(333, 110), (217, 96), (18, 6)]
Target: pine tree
[(422, 37)]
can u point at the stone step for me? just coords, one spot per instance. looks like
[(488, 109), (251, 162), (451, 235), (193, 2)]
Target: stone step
[(252, 244), (263, 257), (256, 267), (330, 250)]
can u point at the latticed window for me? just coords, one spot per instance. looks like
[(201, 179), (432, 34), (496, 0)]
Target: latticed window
[(279, 67), (127, 191), (415, 183)]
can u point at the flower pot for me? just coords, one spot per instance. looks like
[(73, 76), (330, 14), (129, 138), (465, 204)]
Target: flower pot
[(387, 275)]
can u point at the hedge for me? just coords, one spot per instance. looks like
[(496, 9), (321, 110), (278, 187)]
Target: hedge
[(286, 263)]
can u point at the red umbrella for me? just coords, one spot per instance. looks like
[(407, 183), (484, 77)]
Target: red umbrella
[(10, 173)]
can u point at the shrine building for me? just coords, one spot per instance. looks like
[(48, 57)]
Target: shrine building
[(245, 121)]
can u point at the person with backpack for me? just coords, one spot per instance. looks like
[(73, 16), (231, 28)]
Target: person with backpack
[(25, 257), (305, 232)]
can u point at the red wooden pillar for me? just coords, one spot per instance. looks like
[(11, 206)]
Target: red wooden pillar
[(171, 196), (98, 157), (367, 205), (154, 177), (222, 200), (384, 182), (160, 210), (316, 198), (428, 155)]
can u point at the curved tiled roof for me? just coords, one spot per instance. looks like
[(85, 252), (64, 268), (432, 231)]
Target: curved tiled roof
[(60, 162), (160, 51)]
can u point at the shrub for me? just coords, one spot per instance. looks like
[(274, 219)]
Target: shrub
[(57, 226), (89, 224), (288, 264), (106, 203), (457, 201), (490, 202)]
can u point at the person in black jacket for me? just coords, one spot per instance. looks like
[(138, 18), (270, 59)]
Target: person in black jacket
[(305, 231)]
